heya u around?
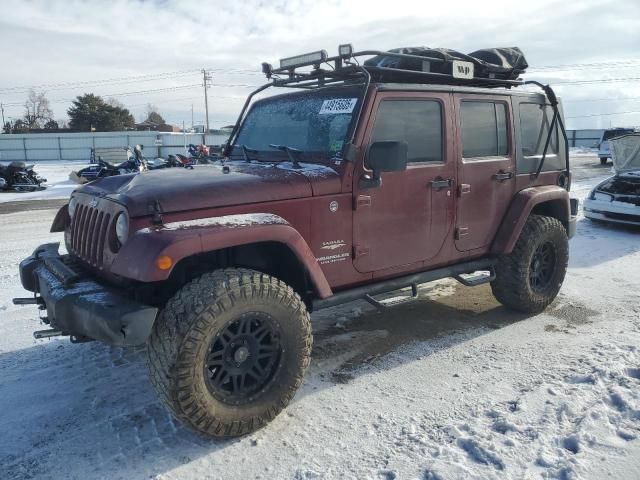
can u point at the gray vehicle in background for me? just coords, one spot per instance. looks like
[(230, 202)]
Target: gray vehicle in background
[(604, 150)]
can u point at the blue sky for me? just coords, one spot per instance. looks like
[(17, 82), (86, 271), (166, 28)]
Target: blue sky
[(71, 47)]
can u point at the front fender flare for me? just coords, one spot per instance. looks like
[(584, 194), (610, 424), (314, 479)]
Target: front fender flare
[(521, 207), (137, 257)]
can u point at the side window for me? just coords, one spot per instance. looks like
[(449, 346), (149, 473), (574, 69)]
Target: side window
[(484, 129), (535, 120), (417, 122)]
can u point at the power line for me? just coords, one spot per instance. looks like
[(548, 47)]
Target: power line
[(604, 114), (629, 99), (125, 79), (155, 90), (600, 80), (584, 66)]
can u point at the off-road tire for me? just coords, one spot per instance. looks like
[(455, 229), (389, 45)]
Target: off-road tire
[(187, 326), (512, 286)]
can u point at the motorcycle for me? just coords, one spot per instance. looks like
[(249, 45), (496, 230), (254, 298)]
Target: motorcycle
[(145, 163), (104, 169), (200, 154), (20, 177)]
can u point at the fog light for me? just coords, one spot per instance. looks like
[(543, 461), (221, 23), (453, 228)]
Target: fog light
[(164, 262)]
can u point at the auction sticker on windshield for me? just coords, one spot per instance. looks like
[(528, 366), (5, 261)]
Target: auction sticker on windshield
[(338, 105)]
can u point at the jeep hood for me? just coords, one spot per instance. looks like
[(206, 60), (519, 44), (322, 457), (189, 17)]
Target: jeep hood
[(207, 186), (625, 152)]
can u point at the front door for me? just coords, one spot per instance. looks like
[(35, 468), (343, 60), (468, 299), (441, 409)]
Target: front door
[(486, 168), (406, 219)]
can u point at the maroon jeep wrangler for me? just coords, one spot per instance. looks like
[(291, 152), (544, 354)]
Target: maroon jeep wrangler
[(367, 178)]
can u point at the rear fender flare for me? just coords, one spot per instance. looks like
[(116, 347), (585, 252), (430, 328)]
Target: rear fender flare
[(137, 257), (553, 198)]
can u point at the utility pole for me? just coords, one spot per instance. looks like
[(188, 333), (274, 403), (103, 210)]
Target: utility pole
[(2, 108), (206, 78)]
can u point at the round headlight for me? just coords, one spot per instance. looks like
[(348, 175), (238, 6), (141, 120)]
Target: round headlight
[(122, 227), (71, 208)]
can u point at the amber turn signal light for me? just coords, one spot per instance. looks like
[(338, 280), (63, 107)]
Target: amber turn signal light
[(164, 262)]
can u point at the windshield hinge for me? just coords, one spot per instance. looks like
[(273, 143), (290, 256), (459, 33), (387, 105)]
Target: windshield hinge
[(351, 152), (156, 210)]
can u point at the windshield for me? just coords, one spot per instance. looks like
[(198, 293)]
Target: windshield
[(317, 122)]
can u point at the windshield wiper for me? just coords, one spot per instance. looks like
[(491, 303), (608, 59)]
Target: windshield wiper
[(290, 153), (246, 151)]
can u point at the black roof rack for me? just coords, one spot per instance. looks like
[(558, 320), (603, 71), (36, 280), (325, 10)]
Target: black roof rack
[(345, 69)]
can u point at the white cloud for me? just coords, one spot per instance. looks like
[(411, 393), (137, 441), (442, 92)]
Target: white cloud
[(69, 41)]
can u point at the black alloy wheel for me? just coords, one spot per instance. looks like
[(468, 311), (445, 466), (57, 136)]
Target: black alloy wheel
[(542, 267), (243, 358)]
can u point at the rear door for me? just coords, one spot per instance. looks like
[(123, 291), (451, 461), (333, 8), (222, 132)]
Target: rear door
[(486, 172), (407, 218)]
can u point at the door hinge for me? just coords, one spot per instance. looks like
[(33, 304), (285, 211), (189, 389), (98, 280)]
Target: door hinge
[(461, 232), (361, 201), (463, 188), (360, 251)]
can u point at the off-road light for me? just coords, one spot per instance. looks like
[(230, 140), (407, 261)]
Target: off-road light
[(71, 208), (122, 227), (164, 262), (304, 60), (267, 68), (345, 50)]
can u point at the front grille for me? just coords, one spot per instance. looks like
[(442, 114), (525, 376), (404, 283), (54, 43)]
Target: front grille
[(89, 230)]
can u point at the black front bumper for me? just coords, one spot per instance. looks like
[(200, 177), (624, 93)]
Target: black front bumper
[(79, 306)]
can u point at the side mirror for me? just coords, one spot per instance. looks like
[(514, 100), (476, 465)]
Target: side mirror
[(387, 156)]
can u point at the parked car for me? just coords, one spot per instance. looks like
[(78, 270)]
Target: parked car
[(604, 151), (617, 199), (369, 178)]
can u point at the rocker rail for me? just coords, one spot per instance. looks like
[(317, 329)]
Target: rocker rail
[(385, 286)]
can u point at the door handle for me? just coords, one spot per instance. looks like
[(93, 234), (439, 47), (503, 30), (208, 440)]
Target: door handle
[(439, 183), (501, 176)]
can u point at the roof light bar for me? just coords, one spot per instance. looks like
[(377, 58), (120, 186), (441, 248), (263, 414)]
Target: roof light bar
[(345, 50), (304, 60)]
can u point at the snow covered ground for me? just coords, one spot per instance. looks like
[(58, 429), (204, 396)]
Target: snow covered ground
[(452, 386)]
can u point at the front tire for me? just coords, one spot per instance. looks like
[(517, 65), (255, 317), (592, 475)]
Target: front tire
[(603, 160), (229, 351), (529, 278)]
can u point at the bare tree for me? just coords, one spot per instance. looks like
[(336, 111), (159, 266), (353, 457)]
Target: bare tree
[(114, 102), (153, 115), (36, 109)]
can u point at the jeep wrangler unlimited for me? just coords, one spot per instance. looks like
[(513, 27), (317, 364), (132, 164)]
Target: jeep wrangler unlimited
[(366, 178)]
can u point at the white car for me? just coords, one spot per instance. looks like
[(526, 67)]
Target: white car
[(617, 199)]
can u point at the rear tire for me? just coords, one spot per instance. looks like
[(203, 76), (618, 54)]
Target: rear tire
[(211, 361), (529, 278)]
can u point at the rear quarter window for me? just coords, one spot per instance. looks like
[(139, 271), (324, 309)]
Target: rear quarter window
[(535, 121)]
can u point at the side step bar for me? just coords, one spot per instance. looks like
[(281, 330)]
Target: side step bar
[(38, 334), (366, 292)]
